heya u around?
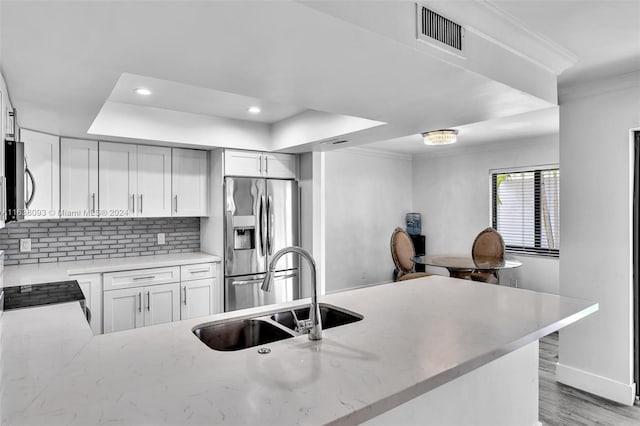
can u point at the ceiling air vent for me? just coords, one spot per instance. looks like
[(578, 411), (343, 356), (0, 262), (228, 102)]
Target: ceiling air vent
[(433, 26)]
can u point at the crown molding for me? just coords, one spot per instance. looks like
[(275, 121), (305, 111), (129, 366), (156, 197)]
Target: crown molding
[(489, 21), (599, 86)]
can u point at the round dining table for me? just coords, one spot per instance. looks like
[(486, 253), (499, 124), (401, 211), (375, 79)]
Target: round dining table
[(460, 266)]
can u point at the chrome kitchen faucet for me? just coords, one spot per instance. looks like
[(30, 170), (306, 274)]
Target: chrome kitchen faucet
[(313, 325)]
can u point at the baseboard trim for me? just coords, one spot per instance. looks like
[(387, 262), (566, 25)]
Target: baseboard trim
[(597, 385)]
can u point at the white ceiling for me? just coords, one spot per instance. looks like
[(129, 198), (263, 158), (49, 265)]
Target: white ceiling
[(537, 123), (604, 35), (63, 60), (197, 100)]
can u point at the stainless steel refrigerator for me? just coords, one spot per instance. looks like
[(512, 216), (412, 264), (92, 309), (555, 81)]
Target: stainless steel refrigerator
[(261, 217)]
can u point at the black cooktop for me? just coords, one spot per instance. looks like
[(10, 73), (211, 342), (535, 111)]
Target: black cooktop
[(27, 296)]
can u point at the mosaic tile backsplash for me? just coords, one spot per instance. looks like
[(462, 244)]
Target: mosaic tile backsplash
[(66, 240)]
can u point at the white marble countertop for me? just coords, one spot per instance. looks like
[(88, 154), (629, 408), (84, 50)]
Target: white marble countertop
[(61, 271), (415, 336)]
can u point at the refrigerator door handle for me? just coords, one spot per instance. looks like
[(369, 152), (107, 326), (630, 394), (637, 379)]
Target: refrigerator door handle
[(270, 224), (263, 227), (285, 276), (246, 282)]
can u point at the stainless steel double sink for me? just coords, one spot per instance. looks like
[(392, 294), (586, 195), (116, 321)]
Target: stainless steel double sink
[(245, 333)]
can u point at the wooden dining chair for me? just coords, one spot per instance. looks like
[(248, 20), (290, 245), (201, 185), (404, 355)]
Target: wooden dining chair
[(488, 246), (403, 252)]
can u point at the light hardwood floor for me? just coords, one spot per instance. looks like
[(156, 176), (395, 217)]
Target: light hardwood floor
[(564, 405)]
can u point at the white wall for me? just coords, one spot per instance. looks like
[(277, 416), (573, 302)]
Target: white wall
[(451, 188), (367, 195), (305, 185), (596, 353)]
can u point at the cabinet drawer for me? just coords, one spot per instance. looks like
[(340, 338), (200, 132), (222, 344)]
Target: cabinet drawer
[(140, 277), (197, 272)]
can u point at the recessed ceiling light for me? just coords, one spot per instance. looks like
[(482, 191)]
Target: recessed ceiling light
[(254, 110), (142, 91)]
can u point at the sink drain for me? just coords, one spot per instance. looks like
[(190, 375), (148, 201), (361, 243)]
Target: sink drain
[(263, 351)]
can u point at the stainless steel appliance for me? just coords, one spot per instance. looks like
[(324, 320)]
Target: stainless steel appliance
[(261, 217), (20, 187)]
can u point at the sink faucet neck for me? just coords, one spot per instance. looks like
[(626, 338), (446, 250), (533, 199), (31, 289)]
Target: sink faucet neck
[(315, 332)]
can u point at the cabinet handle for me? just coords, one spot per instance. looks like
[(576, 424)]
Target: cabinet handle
[(184, 289), (133, 203), (93, 202), (140, 302), (266, 165), (148, 301), (199, 271), (140, 203), (176, 197), (150, 277)]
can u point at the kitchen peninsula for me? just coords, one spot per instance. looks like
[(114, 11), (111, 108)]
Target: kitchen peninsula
[(427, 349)]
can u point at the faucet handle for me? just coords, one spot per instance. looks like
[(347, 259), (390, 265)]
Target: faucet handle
[(304, 326)]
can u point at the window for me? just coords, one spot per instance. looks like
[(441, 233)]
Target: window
[(525, 207)]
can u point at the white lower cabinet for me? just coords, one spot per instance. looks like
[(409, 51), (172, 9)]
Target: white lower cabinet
[(196, 298), (162, 304), (144, 297), (200, 292), (141, 306), (91, 286), (123, 309)]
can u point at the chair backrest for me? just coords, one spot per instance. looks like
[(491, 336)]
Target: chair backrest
[(488, 245), (402, 251)]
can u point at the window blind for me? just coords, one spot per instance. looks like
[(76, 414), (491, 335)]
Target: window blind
[(526, 210)]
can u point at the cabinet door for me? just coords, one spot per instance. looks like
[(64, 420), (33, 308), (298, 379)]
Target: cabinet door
[(162, 304), (189, 182), (242, 163), (78, 178), (123, 309), (154, 181), (196, 298), (91, 286), (42, 155), (283, 166), (117, 171)]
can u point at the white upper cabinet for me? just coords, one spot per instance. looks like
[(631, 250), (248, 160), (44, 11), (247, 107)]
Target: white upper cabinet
[(154, 181), (42, 185), (78, 178), (135, 180), (189, 182), (242, 163), (259, 164), (280, 166), (118, 184)]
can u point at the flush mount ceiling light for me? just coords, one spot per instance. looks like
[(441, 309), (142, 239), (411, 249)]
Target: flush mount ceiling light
[(440, 137), (254, 110), (142, 91)]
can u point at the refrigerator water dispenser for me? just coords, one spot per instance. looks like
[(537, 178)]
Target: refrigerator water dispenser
[(244, 238)]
